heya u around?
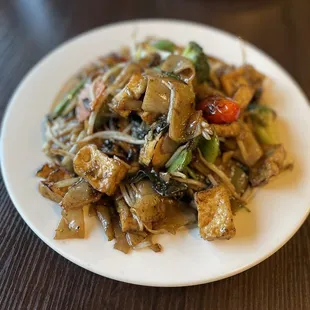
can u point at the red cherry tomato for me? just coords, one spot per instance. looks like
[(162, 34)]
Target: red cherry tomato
[(219, 110)]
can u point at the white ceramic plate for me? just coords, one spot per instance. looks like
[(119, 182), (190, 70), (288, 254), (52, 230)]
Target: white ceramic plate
[(278, 209)]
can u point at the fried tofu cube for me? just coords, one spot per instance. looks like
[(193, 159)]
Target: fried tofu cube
[(242, 76), (127, 221), (148, 149), (215, 218), (227, 130), (130, 93), (102, 172)]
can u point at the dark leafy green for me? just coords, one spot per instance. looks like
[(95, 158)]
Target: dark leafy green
[(166, 189), (210, 149)]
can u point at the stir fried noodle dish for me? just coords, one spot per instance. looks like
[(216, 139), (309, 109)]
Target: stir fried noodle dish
[(156, 138)]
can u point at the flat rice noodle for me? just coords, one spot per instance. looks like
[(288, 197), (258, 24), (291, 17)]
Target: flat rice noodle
[(91, 211), (183, 118), (125, 75), (79, 195), (149, 205), (46, 191), (149, 208), (133, 239), (121, 243), (58, 190), (127, 99), (181, 66), (177, 215), (53, 174), (59, 174), (157, 96), (46, 169), (104, 216), (142, 240), (71, 225)]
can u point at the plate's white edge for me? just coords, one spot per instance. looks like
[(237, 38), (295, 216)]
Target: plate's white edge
[(77, 261)]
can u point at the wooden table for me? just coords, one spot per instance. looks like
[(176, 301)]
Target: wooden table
[(32, 276)]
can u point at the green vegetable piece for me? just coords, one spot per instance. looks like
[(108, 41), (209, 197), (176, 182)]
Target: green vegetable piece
[(191, 173), (164, 45), (195, 53), (181, 161), (239, 179), (67, 99), (210, 149), (264, 125)]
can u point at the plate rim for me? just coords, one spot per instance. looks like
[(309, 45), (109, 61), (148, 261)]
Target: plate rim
[(75, 260)]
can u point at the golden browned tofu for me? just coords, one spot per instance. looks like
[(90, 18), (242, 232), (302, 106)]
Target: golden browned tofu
[(227, 130), (231, 82), (245, 75), (148, 149), (204, 90), (127, 100), (149, 117), (127, 222), (102, 172), (157, 151), (215, 218)]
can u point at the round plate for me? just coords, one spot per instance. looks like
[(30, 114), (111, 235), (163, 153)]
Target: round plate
[(278, 209)]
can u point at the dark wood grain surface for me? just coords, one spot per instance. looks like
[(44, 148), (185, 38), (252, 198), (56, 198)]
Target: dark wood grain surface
[(32, 276)]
